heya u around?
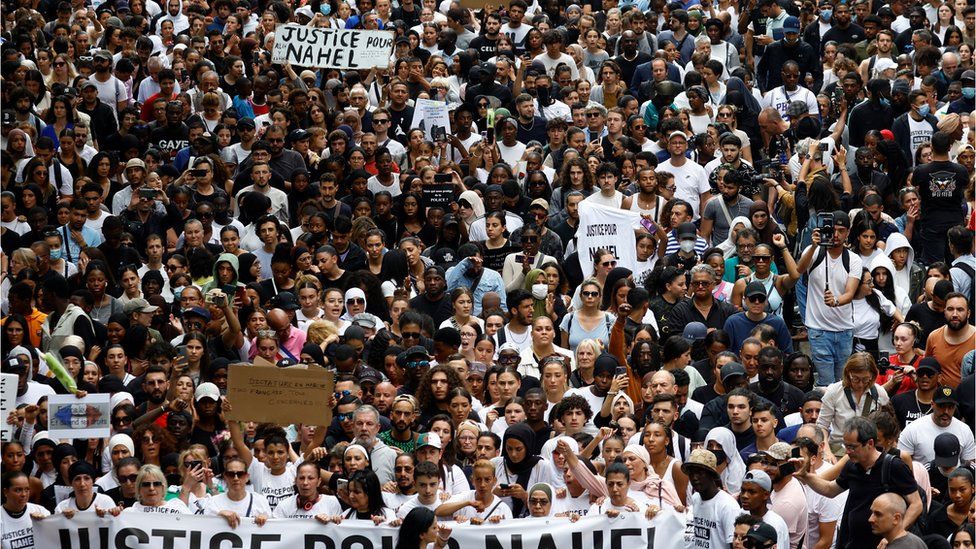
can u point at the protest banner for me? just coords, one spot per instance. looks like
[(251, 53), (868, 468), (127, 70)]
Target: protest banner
[(431, 116), (280, 395), (8, 401), (137, 530), (71, 417), (609, 228), (332, 48)]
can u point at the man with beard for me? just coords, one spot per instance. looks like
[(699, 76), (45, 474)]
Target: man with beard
[(786, 88), (771, 385), (154, 386), (779, 53), (865, 173), (918, 439), (434, 301), (950, 343), (403, 475), (713, 524), (403, 413), (111, 91), (172, 137), (720, 210), (366, 425), (487, 44), (843, 31), (470, 272)]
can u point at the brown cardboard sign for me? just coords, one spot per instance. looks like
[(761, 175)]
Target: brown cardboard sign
[(280, 395), (478, 4)]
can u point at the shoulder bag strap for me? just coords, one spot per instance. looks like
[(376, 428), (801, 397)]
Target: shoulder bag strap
[(250, 503)]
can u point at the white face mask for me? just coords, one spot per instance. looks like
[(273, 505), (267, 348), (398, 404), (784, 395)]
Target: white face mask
[(687, 246), (540, 291)]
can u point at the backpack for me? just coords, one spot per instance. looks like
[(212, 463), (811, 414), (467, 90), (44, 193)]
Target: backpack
[(845, 259), (922, 524), (968, 269)]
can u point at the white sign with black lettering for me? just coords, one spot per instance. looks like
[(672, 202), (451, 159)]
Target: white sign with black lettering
[(332, 48)]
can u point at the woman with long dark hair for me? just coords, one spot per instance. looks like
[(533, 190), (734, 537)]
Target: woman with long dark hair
[(420, 529), (365, 498)]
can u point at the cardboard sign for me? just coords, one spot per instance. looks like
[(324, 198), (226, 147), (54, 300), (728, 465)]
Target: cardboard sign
[(70, 417), (332, 48), (280, 395), (478, 4), (8, 402)]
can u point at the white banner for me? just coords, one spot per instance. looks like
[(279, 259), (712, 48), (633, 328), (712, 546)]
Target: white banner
[(432, 117), (8, 402), (134, 530), (332, 48), (609, 228)]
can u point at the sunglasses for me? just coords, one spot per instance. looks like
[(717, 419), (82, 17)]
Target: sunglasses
[(121, 420), (411, 335), (381, 121), (757, 298), (345, 417), (530, 239), (235, 474), (151, 484), (508, 359), (763, 258), (609, 263), (700, 283), (925, 373), (592, 114), (128, 478), (590, 293), (413, 365), (356, 300)]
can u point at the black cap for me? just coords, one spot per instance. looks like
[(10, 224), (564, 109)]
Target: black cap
[(929, 363), (286, 362), (417, 350), (285, 300), (841, 218), (731, 369), (947, 450), (296, 135), (945, 395), (763, 533), (14, 364), (687, 230), (755, 288), (246, 121)]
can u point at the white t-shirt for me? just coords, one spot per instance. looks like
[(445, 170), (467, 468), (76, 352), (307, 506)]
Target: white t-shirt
[(375, 185), (110, 92), (326, 505), (822, 509), (18, 533), (551, 64), (274, 488), (495, 508), (414, 502), (780, 99), (691, 182), (579, 505), (100, 501), (602, 508), (819, 316), (251, 505), (34, 393), (711, 524), (171, 507), (918, 133), (918, 439)]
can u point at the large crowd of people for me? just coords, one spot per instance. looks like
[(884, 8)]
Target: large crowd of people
[(786, 360)]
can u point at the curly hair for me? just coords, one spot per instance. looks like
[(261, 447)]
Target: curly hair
[(167, 444), (424, 395), (571, 402)]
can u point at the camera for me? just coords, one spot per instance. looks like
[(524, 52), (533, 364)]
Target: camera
[(884, 364), (147, 193), (825, 222)]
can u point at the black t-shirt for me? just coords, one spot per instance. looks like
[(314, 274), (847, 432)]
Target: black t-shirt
[(170, 139), (704, 394), (400, 123), (743, 439), (787, 398), (486, 47), (942, 186), (863, 487), (928, 319), (439, 310), (908, 408)]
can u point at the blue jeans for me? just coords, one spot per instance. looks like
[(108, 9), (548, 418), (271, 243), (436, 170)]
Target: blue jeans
[(830, 352)]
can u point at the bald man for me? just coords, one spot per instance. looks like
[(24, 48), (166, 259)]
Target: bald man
[(383, 396), (888, 521), (290, 339)]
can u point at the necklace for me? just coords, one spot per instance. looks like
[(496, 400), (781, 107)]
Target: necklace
[(918, 403)]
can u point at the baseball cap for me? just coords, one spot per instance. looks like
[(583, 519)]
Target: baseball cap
[(791, 24), (286, 362), (841, 218), (687, 230), (929, 363), (370, 375), (759, 478), (969, 75), (694, 331), (417, 350), (540, 203), (429, 439), (286, 300), (701, 459), (296, 135), (139, 305), (246, 122), (780, 451), (8, 117), (763, 533), (364, 320), (732, 369), (103, 54), (197, 311), (15, 364), (509, 346), (88, 84), (135, 163), (755, 288), (206, 390), (945, 395), (797, 108), (477, 369), (677, 133), (947, 450)]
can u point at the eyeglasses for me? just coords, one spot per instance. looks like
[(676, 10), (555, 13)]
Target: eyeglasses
[(151, 484), (612, 263), (538, 501), (701, 283), (763, 258), (235, 474), (128, 478), (590, 293)]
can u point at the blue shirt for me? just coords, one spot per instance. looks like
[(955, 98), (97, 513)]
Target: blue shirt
[(490, 281), (72, 249), (739, 325)]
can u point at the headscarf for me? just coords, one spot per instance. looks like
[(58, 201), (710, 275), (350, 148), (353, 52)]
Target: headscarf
[(728, 245), (245, 261), (765, 235), (124, 440), (548, 491), (358, 447), (743, 98), (653, 486), (477, 206), (62, 451), (615, 274), (736, 468), (556, 474), (28, 147), (531, 279), (522, 469), (315, 352), (625, 396)]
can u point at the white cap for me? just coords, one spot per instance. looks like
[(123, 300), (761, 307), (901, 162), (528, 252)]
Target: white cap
[(206, 390)]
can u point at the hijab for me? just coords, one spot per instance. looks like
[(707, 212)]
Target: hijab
[(728, 245), (522, 469), (766, 234), (547, 489), (477, 206), (653, 485), (533, 277), (736, 468), (556, 474), (28, 146), (738, 94)]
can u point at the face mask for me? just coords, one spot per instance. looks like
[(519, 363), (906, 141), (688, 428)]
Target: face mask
[(325, 8), (924, 110), (687, 246), (969, 93), (55, 254), (825, 15), (540, 291), (720, 456)]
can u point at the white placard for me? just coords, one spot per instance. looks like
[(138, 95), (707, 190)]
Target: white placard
[(429, 114), (609, 228), (332, 48), (70, 417), (8, 402)]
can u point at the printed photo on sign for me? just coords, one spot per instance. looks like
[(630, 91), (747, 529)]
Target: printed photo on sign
[(70, 417)]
